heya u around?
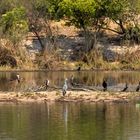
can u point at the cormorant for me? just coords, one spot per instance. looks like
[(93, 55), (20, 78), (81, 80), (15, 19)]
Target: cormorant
[(47, 83), (138, 87), (79, 68), (72, 80), (65, 87), (104, 84), (125, 88)]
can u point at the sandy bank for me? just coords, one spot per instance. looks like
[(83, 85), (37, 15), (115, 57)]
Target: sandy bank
[(72, 96)]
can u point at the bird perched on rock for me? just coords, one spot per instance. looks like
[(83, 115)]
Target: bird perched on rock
[(47, 83), (138, 87), (125, 88), (65, 87), (104, 84)]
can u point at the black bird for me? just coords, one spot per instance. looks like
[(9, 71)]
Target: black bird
[(72, 80), (79, 68), (138, 87), (104, 84), (47, 83), (125, 88)]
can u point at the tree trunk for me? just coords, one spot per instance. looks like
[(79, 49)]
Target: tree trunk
[(39, 39), (122, 27)]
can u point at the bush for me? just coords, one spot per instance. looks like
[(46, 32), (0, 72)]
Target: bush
[(132, 35), (49, 59), (8, 61)]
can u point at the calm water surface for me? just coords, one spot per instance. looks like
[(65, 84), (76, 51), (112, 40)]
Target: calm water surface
[(69, 121), (115, 80)]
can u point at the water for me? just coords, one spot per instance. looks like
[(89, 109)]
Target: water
[(69, 121), (116, 80)]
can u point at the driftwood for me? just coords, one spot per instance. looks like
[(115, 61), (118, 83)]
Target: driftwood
[(77, 87), (84, 87), (91, 88), (35, 89)]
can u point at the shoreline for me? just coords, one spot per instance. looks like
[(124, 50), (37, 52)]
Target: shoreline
[(65, 70), (71, 96)]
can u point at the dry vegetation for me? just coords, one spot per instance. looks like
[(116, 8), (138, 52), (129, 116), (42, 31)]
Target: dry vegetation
[(16, 57)]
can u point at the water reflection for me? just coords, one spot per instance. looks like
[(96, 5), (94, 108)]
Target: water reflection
[(69, 121), (65, 112), (116, 80)]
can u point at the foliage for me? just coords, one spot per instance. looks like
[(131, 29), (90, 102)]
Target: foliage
[(49, 60), (21, 17), (114, 10), (132, 34), (124, 13), (80, 12), (54, 10), (14, 24), (46, 8), (7, 5)]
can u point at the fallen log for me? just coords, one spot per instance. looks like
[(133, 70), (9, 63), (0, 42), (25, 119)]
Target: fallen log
[(78, 89), (85, 87)]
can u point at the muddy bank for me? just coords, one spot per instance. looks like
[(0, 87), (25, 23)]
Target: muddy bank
[(71, 96)]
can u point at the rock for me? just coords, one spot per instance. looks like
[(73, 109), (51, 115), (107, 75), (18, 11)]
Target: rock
[(109, 55)]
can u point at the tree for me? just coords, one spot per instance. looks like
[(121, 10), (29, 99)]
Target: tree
[(14, 25), (7, 5), (123, 13), (40, 13), (81, 14), (114, 10)]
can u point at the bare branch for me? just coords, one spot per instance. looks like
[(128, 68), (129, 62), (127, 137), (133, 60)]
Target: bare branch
[(105, 28)]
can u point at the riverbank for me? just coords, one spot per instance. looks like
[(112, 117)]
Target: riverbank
[(71, 96)]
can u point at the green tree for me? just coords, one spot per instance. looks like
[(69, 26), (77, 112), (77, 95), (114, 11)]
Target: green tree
[(81, 14), (14, 25), (7, 5), (40, 13), (122, 12), (116, 10)]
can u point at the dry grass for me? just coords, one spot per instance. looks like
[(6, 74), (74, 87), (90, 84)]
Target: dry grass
[(49, 60)]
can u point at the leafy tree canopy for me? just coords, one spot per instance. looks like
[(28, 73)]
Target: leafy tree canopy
[(80, 12), (14, 23)]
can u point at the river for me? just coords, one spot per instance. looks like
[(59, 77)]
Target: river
[(116, 80), (69, 121)]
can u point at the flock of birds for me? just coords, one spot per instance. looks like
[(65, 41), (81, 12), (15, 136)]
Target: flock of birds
[(104, 84), (72, 83)]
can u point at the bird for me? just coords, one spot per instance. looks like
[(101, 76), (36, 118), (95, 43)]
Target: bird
[(79, 68), (18, 78), (47, 83), (138, 87), (125, 88), (104, 84), (72, 80), (65, 87)]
